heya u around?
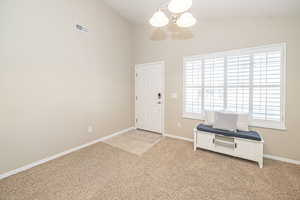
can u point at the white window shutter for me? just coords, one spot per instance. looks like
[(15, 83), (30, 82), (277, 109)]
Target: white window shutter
[(238, 83), (242, 81), (214, 69), (266, 83), (193, 82)]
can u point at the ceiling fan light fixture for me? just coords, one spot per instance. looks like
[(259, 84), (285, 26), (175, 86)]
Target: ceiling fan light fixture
[(186, 20), (159, 19), (180, 6)]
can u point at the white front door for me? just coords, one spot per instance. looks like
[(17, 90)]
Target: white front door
[(149, 91)]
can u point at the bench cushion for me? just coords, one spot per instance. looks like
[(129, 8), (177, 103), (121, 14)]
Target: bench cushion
[(250, 135)]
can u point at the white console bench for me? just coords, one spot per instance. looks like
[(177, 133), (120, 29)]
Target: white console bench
[(231, 145)]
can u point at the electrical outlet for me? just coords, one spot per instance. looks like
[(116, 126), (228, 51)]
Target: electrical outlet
[(90, 129)]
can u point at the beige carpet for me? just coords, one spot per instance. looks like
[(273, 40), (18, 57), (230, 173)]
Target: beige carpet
[(136, 141), (169, 170)]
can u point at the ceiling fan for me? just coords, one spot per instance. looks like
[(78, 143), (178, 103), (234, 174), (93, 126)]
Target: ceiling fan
[(178, 11)]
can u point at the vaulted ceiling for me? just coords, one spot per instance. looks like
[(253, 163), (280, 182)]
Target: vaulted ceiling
[(139, 11)]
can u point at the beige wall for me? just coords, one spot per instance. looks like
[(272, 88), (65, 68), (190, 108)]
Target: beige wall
[(56, 81), (220, 35)]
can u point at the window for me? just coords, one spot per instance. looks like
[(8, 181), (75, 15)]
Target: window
[(243, 81)]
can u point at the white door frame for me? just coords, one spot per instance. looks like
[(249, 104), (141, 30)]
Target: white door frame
[(163, 92)]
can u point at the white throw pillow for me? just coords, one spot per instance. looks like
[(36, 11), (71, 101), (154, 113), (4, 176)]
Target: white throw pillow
[(209, 118), (243, 122), (225, 121)]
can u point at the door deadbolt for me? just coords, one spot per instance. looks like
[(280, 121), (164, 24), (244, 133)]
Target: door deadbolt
[(159, 95)]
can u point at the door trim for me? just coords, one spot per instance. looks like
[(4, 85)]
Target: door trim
[(162, 63)]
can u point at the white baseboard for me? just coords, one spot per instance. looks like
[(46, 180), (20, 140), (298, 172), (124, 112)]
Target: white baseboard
[(39, 162), (179, 137), (287, 160)]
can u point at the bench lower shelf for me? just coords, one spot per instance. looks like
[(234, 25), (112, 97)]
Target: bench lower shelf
[(237, 147)]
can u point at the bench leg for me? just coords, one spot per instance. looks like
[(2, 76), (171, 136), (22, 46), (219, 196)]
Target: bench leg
[(195, 140), (260, 163)]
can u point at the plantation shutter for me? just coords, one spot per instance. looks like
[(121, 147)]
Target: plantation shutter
[(266, 86), (242, 81), (238, 83), (214, 83), (193, 83)]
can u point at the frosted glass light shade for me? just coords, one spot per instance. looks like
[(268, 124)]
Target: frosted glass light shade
[(159, 19), (180, 6), (186, 20)]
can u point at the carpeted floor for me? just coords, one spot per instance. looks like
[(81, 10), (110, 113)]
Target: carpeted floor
[(169, 170)]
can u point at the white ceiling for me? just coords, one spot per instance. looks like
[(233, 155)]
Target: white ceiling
[(139, 11)]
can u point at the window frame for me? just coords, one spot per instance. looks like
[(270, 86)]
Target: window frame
[(259, 49)]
